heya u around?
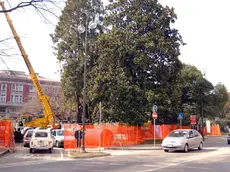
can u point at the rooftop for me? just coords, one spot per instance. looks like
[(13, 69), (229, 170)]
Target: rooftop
[(22, 75)]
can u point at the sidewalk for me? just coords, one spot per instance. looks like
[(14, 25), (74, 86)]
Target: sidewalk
[(138, 147), (3, 151), (87, 154), (215, 139)]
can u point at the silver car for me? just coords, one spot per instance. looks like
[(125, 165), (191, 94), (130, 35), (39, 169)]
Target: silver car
[(58, 135), (183, 139)]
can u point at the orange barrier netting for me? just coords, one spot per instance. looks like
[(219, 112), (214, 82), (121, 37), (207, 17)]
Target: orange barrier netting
[(214, 130), (6, 135), (121, 135)]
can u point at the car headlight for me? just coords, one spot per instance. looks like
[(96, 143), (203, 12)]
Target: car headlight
[(163, 142)]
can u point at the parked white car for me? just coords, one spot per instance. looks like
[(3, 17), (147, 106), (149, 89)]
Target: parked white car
[(41, 140), (183, 139), (27, 137), (58, 137)]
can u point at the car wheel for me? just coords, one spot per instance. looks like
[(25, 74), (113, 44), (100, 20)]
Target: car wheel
[(229, 142), (186, 148), (57, 144), (166, 150), (31, 150), (50, 150), (200, 146)]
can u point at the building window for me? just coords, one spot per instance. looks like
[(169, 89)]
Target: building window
[(46, 89), (55, 91), (32, 88), (2, 109), (16, 98), (17, 87), (32, 98), (3, 87), (12, 110), (2, 98)]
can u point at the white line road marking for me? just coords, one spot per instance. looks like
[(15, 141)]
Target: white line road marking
[(62, 156)]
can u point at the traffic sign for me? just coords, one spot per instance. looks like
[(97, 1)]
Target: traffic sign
[(192, 119), (154, 108), (154, 115), (180, 116)]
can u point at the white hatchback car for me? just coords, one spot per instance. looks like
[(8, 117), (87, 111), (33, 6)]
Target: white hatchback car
[(58, 137), (183, 139), (41, 140)]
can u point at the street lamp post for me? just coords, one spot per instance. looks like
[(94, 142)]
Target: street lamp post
[(202, 107), (82, 29)]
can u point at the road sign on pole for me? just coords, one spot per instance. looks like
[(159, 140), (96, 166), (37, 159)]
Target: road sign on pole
[(154, 108), (193, 119), (154, 115), (180, 117)]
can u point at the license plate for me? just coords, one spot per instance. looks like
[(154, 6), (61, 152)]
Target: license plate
[(170, 145), (41, 143)]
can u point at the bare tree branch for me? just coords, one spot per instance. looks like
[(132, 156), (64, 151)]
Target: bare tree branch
[(44, 8), (51, 7), (26, 4), (6, 51)]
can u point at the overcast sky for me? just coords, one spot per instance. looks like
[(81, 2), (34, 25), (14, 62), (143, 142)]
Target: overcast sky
[(203, 24)]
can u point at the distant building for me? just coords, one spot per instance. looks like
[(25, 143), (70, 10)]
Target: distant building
[(17, 89)]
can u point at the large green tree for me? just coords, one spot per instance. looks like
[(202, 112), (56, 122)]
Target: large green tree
[(194, 90), (219, 101), (198, 95), (138, 62), (227, 108)]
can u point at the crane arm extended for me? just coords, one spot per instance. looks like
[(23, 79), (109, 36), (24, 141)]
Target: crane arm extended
[(48, 113)]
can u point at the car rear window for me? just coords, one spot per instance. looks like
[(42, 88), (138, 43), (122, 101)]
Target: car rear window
[(41, 134)]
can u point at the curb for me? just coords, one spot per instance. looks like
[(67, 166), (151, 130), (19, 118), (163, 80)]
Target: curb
[(5, 152), (136, 148), (86, 157)]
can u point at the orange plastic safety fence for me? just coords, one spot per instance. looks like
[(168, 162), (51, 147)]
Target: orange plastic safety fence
[(127, 135), (92, 136), (108, 135), (5, 130)]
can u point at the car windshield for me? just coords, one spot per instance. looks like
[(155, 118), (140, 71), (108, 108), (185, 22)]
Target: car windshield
[(29, 134), (41, 134), (178, 134), (60, 133)]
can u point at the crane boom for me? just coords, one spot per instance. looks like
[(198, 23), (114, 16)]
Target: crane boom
[(48, 112)]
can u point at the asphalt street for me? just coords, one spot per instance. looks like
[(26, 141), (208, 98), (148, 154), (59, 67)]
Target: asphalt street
[(215, 157)]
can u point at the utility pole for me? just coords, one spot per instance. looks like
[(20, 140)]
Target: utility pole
[(201, 116)]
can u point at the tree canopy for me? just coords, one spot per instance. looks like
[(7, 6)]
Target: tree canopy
[(132, 62)]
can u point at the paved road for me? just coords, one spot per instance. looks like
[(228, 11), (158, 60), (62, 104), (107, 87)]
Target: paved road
[(214, 157)]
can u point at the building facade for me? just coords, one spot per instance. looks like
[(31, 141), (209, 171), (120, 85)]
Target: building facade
[(17, 89)]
